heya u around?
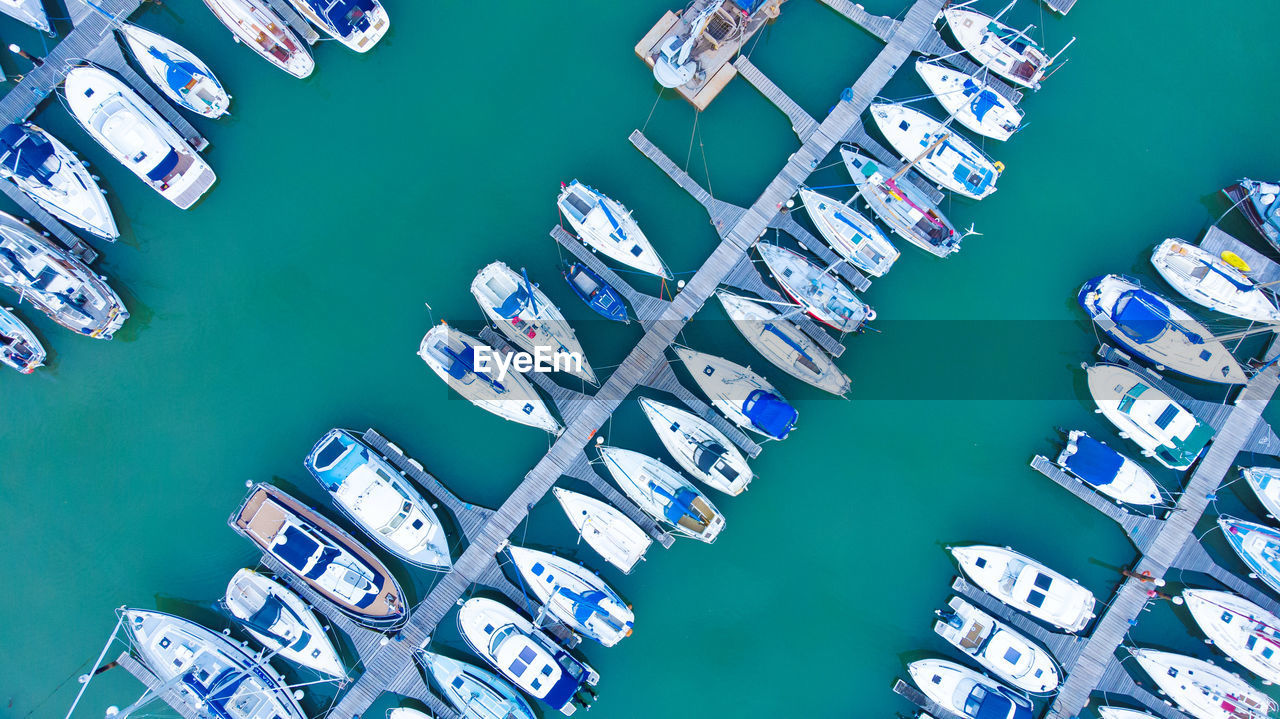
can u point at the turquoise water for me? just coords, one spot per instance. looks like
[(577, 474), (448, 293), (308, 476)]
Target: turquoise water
[(292, 300)]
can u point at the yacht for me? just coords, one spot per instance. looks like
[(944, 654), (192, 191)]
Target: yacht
[(970, 101), (1027, 585), (939, 153), (1257, 200), (282, 622), (996, 646), (573, 595), (179, 74), (699, 448), (607, 226), (1201, 689), (1258, 546), (967, 693), (902, 206), (998, 47), (820, 292), (746, 398), (357, 24), (1265, 483), (474, 692), (620, 541), (1161, 427), (784, 344), (51, 174), (849, 233), (1108, 471), (1209, 281), (1243, 630), (256, 26), (19, 347), (663, 493)]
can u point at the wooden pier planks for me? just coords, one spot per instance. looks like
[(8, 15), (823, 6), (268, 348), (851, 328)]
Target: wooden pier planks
[(801, 122), (1262, 269)]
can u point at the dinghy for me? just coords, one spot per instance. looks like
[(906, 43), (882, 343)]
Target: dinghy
[(948, 158), (378, 499), (207, 673), (663, 493), (607, 226), (57, 282), (1161, 427), (1027, 585), (699, 448), (1001, 49), (966, 693), (850, 234), (327, 559), (784, 344), (1158, 330), (1243, 630), (1257, 200), (574, 595), (525, 656), (606, 529), (474, 692), (19, 347), (1265, 483), (598, 294), (179, 74), (358, 24), (452, 355), (998, 648), (902, 206), (746, 398), (1201, 689), (30, 12), (51, 174), (1207, 280), (1258, 546), (281, 622), (1108, 471), (970, 101), (527, 317), (818, 291), (135, 134), (257, 27)]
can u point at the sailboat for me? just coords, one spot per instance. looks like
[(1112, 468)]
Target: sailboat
[(1108, 471), (1027, 585), (620, 541), (902, 206), (179, 74), (1265, 483), (1161, 427), (746, 398), (357, 24), (607, 226), (970, 101), (1207, 280), (474, 692), (699, 448), (282, 622), (948, 158), (51, 174), (574, 595), (823, 295), (19, 347), (1257, 200), (30, 12), (1258, 546), (1001, 49), (256, 26), (663, 493), (784, 344), (850, 234), (1243, 630), (1202, 689)]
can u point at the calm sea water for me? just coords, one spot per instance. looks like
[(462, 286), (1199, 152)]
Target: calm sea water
[(292, 300)]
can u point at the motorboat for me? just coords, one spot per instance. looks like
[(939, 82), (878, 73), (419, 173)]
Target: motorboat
[(998, 648), (820, 292), (474, 692), (599, 295), (967, 693), (1257, 200), (524, 313), (1007, 52), (663, 493), (673, 65), (136, 135), (179, 74), (970, 101), (407, 713), (51, 174), (784, 344), (1201, 689), (853, 236), (19, 347), (1243, 630), (902, 206), (1027, 585), (1265, 483), (470, 367), (605, 225), (256, 26), (380, 500), (322, 555), (1210, 281), (1152, 326), (525, 656), (573, 595), (1119, 713), (938, 152), (1163, 428), (357, 24), (746, 398), (1258, 546), (30, 12), (1093, 462), (620, 541), (57, 282), (281, 622), (207, 673), (698, 447)]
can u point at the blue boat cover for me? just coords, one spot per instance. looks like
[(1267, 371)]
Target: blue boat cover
[(334, 476), (1143, 317), (770, 413), (1094, 462), (296, 549), (24, 152), (994, 706), (983, 100), (161, 171), (346, 16), (772, 329), (515, 302), (749, 6)]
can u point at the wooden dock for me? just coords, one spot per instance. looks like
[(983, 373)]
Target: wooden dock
[(1062, 7)]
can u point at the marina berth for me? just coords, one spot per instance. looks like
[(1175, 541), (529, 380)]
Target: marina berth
[(593, 290), (784, 344), (1007, 52), (849, 233), (474, 692), (967, 693), (663, 493), (1027, 585), (1258, 546), (1209, 281), (1201, 689), (938, 152), (256, 26), (607, 226), (999, 649), (1257, 200), (19, 347), (1108, 471), (901, 205), (620, 541), (699, 448), (357, 24), (57, 283), (1265, 483), (378, 499), (746, 398), (30, 12), (208, 674), (1239, 628), (970, 101), (574, 595), (525, 656), (281, 622), (136, 135), (527, 317), (1161, 427), (1153, 327), (51, 174), (179, 74), (453, 356), (324, 557), (823, 295)]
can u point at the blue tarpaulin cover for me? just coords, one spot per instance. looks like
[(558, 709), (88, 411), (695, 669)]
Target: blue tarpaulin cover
[(24, 153), (1141, 315), (161, 171), (749, 6), (994, 706), (770, 413), (1094, 462)]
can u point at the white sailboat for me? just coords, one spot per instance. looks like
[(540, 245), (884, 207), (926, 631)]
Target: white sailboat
[(1265, 483), (1027, 585), (746, 398), (474, 692), (949, 159), (574, 595), (281, 622), (257, 27), (1007, 52), (1201, 689), (822, 294), (179, 74), (30, 12), (971, 101), (1243, 630), (607, 226), (1207, 280), (664, 494), (51, 174), (849, 233), (620, 541), (784, 344), (699, 448)]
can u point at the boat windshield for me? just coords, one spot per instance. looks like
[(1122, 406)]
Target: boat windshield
[(1126, 402), (396, 521)]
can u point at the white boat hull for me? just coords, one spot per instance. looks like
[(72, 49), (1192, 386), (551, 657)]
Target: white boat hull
[(951, 161), (601, 614), (1027, 585), (727, 384), (999, 649), (970, 101), (607, 226), (664, 494), (204, 95), (699, 448), (1175, 442), (309, 645), (1201, 689), (1243, 630), (850, 234), (784, 344), (1207, 280), (605, 529)]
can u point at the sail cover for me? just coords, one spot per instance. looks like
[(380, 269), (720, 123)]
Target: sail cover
[(1141, 315), (983, 100), (24, 153), (1094, 462), (770, 413)]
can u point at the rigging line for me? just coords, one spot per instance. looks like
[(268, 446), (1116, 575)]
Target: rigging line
[(656, 100), (706, 168), (692, 135)]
